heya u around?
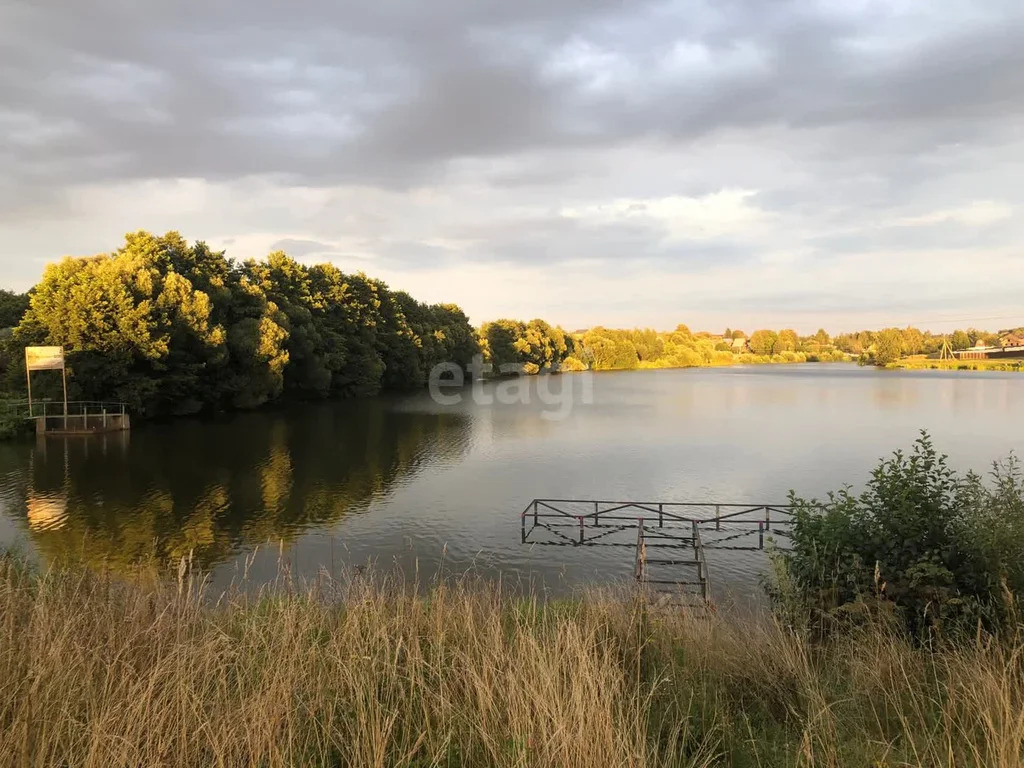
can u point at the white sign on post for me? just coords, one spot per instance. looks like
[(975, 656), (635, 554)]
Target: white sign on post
[(44, 358)]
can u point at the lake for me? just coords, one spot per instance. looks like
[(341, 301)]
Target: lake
[(413, 483)]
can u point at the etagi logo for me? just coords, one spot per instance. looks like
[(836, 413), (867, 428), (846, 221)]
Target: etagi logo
[(557, 393)]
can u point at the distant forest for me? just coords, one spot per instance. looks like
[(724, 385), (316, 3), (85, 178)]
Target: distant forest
[(176, 328)]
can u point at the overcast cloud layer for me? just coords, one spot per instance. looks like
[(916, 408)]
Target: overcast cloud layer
[(740, 162)]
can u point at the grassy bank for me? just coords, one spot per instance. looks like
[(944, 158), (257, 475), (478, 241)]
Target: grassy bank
[(921, 363), (94, 673)]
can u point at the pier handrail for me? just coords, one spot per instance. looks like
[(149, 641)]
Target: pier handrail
[(702, 558), (667, 526), (640, 563), (75, 409), (594, 519), (599, 511)]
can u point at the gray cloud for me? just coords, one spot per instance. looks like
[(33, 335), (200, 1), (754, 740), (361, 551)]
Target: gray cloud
[(365, 92), (845, 118)]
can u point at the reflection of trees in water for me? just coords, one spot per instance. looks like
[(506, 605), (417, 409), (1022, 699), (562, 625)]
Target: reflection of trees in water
[(276, 472), (213, 488)]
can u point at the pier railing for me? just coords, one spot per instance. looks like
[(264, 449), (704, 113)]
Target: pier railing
[(75, 416), (75, 408), (670, 560), (588, 521)]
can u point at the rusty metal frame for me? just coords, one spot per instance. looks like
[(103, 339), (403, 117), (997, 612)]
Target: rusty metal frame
[(566, 520), (659, 525)]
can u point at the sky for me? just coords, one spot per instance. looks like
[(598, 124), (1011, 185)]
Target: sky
[(741, 163)]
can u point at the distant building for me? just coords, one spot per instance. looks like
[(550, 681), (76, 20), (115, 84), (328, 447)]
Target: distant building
[(739, 344), (974, 353), (1011, 347)]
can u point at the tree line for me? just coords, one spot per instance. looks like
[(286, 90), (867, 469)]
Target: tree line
[(536, 344), (890, 344), (174, 328), (171, 328)]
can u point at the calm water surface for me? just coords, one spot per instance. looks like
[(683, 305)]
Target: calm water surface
[(409, 482)]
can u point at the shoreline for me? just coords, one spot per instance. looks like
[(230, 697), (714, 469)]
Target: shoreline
[(911, 364)]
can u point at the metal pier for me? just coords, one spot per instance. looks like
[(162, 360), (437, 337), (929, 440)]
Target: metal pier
[(671, 538)]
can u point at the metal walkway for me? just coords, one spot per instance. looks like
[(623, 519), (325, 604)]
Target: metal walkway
[(77, 417), (670, 541), (671, 566)]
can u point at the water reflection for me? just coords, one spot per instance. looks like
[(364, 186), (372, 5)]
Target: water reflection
[(447, 482), (209, 490), (46, 512)]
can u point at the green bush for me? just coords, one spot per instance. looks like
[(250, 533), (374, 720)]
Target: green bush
[(573, 364), (940, 551), (12, 426), (827, 356)]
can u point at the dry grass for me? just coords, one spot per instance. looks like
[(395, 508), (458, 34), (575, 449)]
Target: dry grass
[(923, 363), (360, 674)]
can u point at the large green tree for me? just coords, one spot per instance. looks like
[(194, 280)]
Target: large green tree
[(960, 340), (787, 341), (888, 346), (763, 342), (531, 346), (12, 308), (172, 328)]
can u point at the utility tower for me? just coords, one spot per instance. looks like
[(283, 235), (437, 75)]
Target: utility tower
[(946, 353)]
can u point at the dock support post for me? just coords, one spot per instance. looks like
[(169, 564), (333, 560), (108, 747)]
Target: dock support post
[(698, 555), (718, 517), (760, 534), (661, 516), (522, 520), (64, 379), (581, 528), (640, 561)]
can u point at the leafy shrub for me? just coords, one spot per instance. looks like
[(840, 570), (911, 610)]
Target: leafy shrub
[(936, 549), (573, 364), (13, 425), (827, 356)]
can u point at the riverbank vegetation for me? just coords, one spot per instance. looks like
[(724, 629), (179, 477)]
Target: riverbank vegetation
[(536, 344), (913, 341), (913, 348), (918, 363), (95, 673), (173, 328), (939, 552)]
